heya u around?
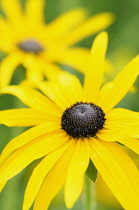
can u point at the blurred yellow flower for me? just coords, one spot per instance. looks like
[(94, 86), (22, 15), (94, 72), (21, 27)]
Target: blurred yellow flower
[(77, 124), (27, 40)]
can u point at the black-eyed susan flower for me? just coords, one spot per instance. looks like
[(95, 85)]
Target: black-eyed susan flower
[(27, 40), (76, 125)]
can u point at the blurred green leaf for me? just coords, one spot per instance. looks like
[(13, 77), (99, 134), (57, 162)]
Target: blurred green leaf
[(91, 171)]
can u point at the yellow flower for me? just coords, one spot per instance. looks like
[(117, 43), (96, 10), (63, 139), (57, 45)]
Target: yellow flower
[(27, 40), (76, 125)]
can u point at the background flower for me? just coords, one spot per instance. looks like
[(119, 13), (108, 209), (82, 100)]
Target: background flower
[(29, 41)]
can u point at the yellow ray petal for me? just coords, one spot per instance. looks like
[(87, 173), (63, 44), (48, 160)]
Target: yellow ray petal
[(118, 118), (12, 9), (4, 26), (28, 136), (65, 22), (40, 173), (133, 131), (93, 25), (113, 135), (34, 69), (6, 45), (34, 11), (78, 58), (131, 143), (51, 71), (64, 89), (55, 93), (69, 83), (34, 73), (113, 92), (119, 132), (31, 98), (28, 83), (6, 40), (2, 185), (75, 173), (118, 171), (35, 149), (24, 117), (120, 113), (55, 180), (94, 73), (8, 66)]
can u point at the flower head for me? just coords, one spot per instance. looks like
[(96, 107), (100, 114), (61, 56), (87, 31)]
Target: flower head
[(27, 40), (76, 125)]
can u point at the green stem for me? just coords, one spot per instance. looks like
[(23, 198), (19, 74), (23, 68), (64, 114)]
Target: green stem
[(90, 195)]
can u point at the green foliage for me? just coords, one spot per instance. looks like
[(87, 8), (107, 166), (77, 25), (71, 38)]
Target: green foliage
[(91, 171)]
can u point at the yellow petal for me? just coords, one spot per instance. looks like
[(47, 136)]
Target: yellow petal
[(75, 173), (119, 132), (31, 98), (25, 117), (120, 113), (131, 143), (78, 58), (55, 93), (34, 11), (2, 185), (94, 73), (34, 72), (113, 92), (28, 83), (51, 71), (6, 41), (93, 25), (63, 91), (65, 22), (6, 44), (4, 26), (28, 136), (12, 9), (118, 171), (112, 135), (8, 66), (69, 83), (33, 150), (118, 118), (133, 131), (39, 174), (55, 180)]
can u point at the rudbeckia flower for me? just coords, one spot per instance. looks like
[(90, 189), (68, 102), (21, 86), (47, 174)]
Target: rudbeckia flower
[(73, 125), (27, 40)]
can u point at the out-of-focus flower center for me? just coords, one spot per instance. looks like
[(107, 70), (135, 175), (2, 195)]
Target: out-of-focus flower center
[(82, 120), (30, 45)]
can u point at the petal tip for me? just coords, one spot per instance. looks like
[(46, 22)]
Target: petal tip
[(111, 16), (69, 205), (100, 40)]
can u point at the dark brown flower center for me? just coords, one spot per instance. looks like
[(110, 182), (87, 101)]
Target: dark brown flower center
[(30, 45), (82, 120)]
